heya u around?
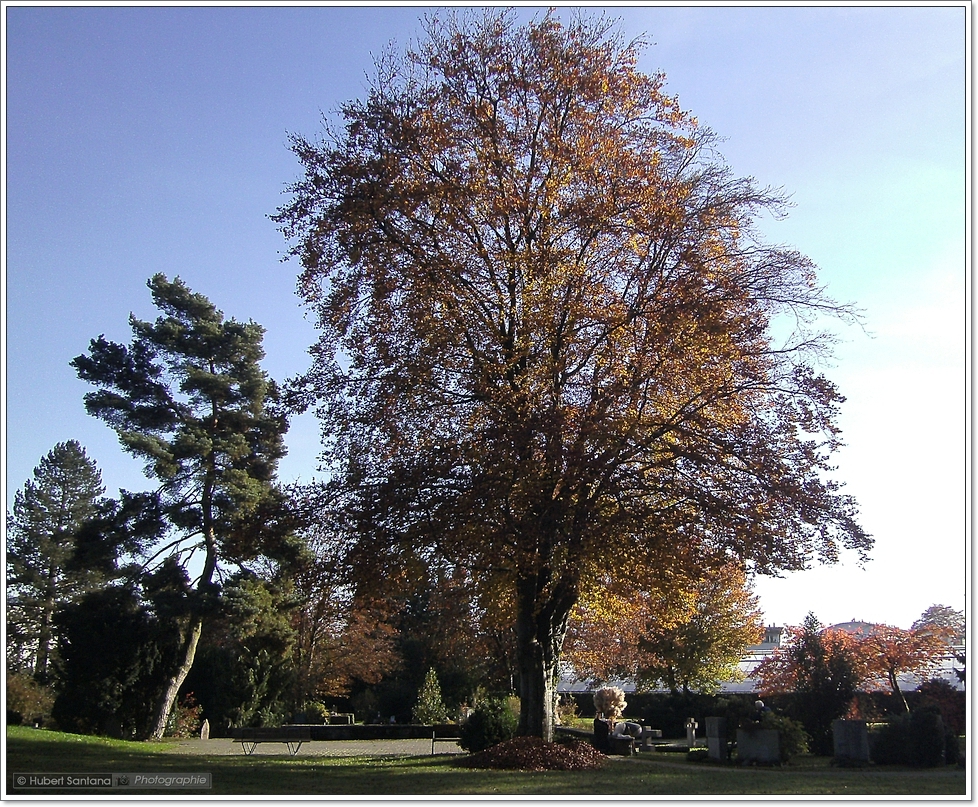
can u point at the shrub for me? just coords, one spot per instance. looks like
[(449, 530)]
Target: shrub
[(951, 702), (314, 712), (185, 718), (492, 722), (28, 701), (927, 738), (918, 739), (792, 737)]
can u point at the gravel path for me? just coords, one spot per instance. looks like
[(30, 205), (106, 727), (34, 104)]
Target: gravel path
[(224, 747)]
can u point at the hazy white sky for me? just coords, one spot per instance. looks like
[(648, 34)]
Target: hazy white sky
[(153, 139)]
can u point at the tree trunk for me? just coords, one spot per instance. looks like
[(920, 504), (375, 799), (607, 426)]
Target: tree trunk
[(541, 623), (164, 705), (45, 629), (42, 660), (189, 649), (897, 691)]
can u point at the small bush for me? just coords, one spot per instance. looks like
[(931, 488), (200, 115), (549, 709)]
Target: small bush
[(492, 722), (938, 692), (792, 737), (28, 702), (314, 712), (185, 719)]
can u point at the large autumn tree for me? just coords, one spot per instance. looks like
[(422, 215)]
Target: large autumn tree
[(546, 327), (188, 396)]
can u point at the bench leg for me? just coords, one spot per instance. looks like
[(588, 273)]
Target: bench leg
[(294, 747), (248, 748)]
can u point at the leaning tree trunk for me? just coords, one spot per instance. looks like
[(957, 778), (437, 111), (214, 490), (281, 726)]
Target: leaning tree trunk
[(541, 622), (188, 652), (188, 644)]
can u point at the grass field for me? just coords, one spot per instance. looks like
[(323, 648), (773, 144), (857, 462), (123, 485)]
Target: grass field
[(30, 750)]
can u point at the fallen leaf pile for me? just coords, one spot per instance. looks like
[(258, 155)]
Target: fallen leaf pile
[(533, 754)]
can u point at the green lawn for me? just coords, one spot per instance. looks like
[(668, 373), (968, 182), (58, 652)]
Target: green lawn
[(29, 750)]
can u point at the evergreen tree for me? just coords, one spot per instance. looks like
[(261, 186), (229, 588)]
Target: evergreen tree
[(430, 709), (190, 398), (115, 652), (43, 530)]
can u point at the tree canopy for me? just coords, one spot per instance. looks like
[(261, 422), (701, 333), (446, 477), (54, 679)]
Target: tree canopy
[(546, 320), (943, 619)]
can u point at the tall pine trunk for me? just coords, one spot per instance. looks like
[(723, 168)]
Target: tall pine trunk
[(46, 631)]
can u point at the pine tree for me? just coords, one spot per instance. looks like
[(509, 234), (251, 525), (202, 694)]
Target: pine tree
[(430, 708), (43, 530), (190, 398)]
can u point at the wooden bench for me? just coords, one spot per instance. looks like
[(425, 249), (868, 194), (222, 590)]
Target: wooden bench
[(292, 736)]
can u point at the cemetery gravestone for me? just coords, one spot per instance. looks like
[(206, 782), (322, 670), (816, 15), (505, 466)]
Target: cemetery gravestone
[(759, 746), (850, 740), (716, 738)]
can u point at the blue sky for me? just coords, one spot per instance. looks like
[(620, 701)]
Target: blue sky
[(153, 139)]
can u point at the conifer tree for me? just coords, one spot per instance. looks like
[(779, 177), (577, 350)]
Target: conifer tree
[(430, 708), (189, 397), (43, 529)]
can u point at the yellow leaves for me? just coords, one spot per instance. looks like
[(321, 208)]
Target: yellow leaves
[(697, 620)]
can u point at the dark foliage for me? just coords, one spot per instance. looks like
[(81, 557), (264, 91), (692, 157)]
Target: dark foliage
[(245, 673), (950, 702), (918, 739), (115, 655)]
